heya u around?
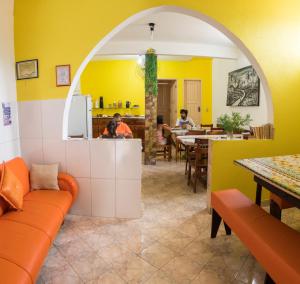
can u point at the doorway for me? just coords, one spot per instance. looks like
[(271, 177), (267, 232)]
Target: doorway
[(192, 99), (167, 100)]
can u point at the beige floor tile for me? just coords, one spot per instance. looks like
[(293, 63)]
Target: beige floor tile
[(157, 254), (160, 277), (74, 249), (109, 277), (89, 266), (251, 272), (134, 269), (114, 252), (176, 241), (182, 269)]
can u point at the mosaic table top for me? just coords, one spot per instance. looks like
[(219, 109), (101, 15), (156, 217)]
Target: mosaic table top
[(283, 171)]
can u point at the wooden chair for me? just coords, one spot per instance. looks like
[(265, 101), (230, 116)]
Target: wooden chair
[(166, 149), (190, 150), (198, 162)]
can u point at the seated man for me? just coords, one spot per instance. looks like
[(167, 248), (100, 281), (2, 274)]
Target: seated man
[(184, 121), (117, 128)]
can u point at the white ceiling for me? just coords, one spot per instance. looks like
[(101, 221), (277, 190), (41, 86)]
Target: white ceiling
[(175, 34), (174, 27)]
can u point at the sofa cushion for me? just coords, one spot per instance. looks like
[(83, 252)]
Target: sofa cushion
[(59, 199), (41, 216), (12, 273), (11, 188), (19, 168), (44, 176), (23, 245)]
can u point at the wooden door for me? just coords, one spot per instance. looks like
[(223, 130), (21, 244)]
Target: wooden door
[(173, 103), (192, 99), (163, 101)]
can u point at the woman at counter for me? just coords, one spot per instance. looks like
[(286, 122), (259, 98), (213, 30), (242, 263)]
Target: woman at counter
[(116, 128)]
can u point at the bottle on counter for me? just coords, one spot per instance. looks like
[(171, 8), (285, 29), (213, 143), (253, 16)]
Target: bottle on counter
[(97, 104), (114, 104), (119, 104), (101, 102)]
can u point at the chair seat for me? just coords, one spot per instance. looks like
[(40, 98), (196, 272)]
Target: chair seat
[(23, 245), (58, 198), (44, 217), (12, 273)]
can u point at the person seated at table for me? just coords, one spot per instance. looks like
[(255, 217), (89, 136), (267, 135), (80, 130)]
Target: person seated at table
[(160, 139), (116, 128), (184, 121)]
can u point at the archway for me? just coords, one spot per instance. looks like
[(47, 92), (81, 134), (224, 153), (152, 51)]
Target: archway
[(176, 9)]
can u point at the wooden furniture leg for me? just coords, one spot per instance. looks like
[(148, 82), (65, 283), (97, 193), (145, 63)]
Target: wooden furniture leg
[(227, 229), (275, 210), (268, 279), (258, 194), (215, 223)]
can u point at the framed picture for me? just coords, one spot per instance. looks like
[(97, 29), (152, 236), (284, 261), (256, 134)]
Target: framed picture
[(27, 69), (63, 75), (243, 87)]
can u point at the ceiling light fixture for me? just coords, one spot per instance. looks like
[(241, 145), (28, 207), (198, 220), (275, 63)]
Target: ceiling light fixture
[(151, 26)]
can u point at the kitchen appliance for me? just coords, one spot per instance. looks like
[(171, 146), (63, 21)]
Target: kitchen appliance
[(80, 117)]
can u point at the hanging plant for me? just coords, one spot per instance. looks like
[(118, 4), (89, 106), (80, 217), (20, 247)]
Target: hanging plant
[(151, 73)]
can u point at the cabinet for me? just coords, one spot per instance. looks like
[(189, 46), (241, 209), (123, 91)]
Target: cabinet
[(137, 126)]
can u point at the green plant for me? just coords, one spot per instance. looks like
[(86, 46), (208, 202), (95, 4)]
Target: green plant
[(234, 122)]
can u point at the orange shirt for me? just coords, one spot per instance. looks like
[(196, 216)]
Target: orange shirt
[(122, 129)]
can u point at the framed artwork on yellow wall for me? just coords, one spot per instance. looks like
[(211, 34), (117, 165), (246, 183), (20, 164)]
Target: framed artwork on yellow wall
[(63, 75), (27, 69)]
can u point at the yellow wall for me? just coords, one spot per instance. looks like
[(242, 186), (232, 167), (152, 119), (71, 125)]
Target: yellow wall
[(120, 79), (65, 31)]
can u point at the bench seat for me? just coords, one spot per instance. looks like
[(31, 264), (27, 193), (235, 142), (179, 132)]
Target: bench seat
[(274, 244)]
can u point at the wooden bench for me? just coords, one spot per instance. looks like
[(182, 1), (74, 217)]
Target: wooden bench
[(275, 245)]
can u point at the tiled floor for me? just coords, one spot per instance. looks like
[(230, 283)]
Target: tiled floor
[(169, 244)]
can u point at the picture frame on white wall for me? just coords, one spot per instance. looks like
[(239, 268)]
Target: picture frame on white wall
[(27, 69), (63, 75)]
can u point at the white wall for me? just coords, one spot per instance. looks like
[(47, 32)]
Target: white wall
[(220, 70), (9, 135)]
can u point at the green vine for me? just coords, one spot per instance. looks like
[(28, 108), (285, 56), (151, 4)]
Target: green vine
[(151, 73)]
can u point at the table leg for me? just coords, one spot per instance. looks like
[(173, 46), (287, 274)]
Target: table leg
[(258, 194)]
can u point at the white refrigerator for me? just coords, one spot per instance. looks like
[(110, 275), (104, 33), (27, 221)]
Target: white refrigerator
[(80, 117)]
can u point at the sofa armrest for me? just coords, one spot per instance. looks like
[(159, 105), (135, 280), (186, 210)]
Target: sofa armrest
[(68, 183)]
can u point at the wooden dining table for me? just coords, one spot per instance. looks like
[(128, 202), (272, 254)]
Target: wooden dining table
[(279, 174)]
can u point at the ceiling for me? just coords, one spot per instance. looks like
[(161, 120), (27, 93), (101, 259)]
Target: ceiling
[(174, 27)]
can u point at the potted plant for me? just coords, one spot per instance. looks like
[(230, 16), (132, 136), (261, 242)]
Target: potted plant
[(234, 122)]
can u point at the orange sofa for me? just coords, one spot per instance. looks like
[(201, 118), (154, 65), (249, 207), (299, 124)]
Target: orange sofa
[(27, 235)]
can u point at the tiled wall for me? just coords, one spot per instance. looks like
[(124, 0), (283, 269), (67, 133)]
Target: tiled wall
[(108, 171)]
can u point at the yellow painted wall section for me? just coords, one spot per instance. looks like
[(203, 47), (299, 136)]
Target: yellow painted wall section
[(120, 79), (65, 31)]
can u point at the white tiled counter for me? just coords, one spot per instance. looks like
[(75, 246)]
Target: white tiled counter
[(108, 171), (109, 174)]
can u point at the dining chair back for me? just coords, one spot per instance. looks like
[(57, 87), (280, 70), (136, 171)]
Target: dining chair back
[(216, 132)]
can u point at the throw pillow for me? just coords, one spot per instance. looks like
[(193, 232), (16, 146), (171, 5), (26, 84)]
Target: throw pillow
[(11, 188), (44, 176)]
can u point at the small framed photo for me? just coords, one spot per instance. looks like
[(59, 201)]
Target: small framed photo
[(63, 75), (27, 69)]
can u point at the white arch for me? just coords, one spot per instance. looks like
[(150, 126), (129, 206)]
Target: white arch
[(176, 9)]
